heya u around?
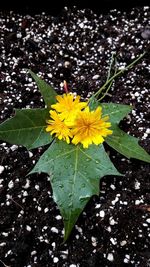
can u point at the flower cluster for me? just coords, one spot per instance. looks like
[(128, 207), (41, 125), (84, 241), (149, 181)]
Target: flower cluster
[(72, 121)]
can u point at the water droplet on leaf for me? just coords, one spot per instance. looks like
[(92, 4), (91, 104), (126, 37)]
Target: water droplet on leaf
[(83, 198), (61, 185)]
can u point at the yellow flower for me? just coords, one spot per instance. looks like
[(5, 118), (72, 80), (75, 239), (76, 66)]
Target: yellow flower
[(90, 128), (68, 107), (58, 127)]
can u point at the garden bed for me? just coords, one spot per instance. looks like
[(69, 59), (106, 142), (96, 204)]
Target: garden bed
[(76, 46)]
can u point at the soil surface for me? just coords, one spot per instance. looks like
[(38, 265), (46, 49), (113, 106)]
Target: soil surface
[(76, 46)]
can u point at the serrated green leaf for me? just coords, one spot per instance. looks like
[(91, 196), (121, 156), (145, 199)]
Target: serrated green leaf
[(74, 175), (116, 112), (26, 128), (126, 145), (48, 93)]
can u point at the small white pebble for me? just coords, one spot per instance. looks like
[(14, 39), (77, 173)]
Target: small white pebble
[(81, 25), (5, 234), (113, 241), (109, 40), (94, 241), (112, 187), (50, 252), (97, 206), (145, 135), (95, 77), (61, 84), (46, 210), (66, 64), (127, 258), (71, 34), (102, 213), (11, 184), (108, 229), (148, 220), (25, 194), (148, 131), (45, 228), (58, 217), (110, 257), (2, 244), (123, 243), (19, 35), (1, 169), (112, 221), (136, 94), (114, 201), (30, 154), (121, 68), (65, 252), (53, 245), (33, 252), (137, 185), (137, 202), (28, 228), (54, 230), (27, 184), (78, 228), (13, 148), (41, 238), (49, 75), (7, 203), (55, 259), (37, 187)]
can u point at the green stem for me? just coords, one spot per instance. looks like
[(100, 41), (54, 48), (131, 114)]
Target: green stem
[(110, 67), (110, 84), (117, 74), (106, 92)]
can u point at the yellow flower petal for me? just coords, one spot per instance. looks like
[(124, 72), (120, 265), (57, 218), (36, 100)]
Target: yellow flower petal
[(90, 128), (58, 127), (68, 107)]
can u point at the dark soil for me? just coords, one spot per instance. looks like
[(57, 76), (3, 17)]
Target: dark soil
[(76, 45)]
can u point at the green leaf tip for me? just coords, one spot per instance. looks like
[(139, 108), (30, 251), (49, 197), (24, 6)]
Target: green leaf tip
[(74, 174), (47, 91), (126, 145), (26, 128)]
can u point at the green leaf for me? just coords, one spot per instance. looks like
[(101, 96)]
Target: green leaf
[(93, 103), (126, 144), (74, 175), (48, 93), (116, 112), (26, 128)]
